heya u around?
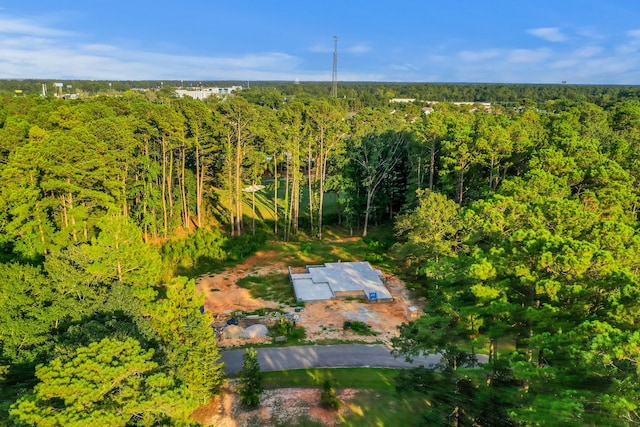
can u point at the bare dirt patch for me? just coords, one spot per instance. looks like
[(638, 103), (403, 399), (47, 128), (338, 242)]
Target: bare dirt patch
[(283, 406)]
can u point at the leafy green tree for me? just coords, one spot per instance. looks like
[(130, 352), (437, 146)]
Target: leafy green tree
[(431, 231), (117, 269), (188, 340), (108, 383), (376, 156), (329, 129), (26, 313), (250, 378), (430, 128)]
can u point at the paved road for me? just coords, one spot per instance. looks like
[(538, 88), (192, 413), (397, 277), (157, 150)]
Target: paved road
[(324, 356)]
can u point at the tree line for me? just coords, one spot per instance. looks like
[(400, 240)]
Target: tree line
[(529, 250), (518, 224)]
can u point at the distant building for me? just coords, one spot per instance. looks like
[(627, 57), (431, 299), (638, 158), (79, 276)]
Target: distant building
[(206, 92), (340, 280), (485, 105)]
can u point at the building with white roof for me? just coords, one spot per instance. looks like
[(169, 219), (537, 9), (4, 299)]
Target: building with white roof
[(339, 280)]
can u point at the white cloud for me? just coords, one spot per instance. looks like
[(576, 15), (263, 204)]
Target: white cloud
[(31, 50), (403, 67), (320, 48), (22, 26), (633, 33), (588, 51), (325, 48), (358, 48), (478, 55), (550, 34), (527, 56), (564, 64)]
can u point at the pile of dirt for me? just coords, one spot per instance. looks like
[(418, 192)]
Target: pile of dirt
[(233, 331), (255, 331)]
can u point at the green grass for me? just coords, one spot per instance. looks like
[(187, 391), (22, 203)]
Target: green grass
[(264, 202), (337, 246), (273, 287), (370, 378), (376, 403), (370, 408)]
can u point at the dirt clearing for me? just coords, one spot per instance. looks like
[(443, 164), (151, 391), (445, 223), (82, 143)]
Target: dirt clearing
[(322, 320), (282, 406)]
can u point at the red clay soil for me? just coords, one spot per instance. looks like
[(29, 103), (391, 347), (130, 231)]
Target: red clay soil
[(281, 406)]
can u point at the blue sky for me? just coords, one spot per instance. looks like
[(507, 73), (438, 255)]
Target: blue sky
[(495, 41)]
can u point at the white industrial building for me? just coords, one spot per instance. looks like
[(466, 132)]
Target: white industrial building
[(339, 280), (206, 92)]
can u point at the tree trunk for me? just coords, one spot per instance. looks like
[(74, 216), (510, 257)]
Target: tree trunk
[(366, 213), (198, 185), (493, 348), (253, 210), (169, 183), (310, 190), (432, 164), (460, 185), (229, 165), (238, 180), (183, 189), (73, 219), (164, 186), (323, 174), (276, 183), (287, 202)]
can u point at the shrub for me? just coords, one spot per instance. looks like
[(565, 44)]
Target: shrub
[(287, 328), (359, 328), (202, 245), (239, 247), (328, 397)]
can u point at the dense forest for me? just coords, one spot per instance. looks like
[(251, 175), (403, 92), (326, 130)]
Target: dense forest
[(519, 223)]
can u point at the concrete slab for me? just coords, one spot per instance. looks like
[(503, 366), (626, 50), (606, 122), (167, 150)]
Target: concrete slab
[(347, 278)]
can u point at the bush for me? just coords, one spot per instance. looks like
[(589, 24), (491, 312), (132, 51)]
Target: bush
[(287, 328), (239, 247), (359, 328), (201, 245), (328, 397)]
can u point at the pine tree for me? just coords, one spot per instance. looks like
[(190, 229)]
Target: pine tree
[(250, 378)]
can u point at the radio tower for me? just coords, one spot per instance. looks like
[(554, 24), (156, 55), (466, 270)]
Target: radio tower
[(334, 77)]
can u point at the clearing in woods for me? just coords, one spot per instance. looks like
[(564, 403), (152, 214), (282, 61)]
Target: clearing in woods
[(323, 321)]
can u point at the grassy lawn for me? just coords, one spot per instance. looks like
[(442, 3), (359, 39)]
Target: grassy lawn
[(338, 246), (264, 201), (376, 404), (371, 378), (273, 287)]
